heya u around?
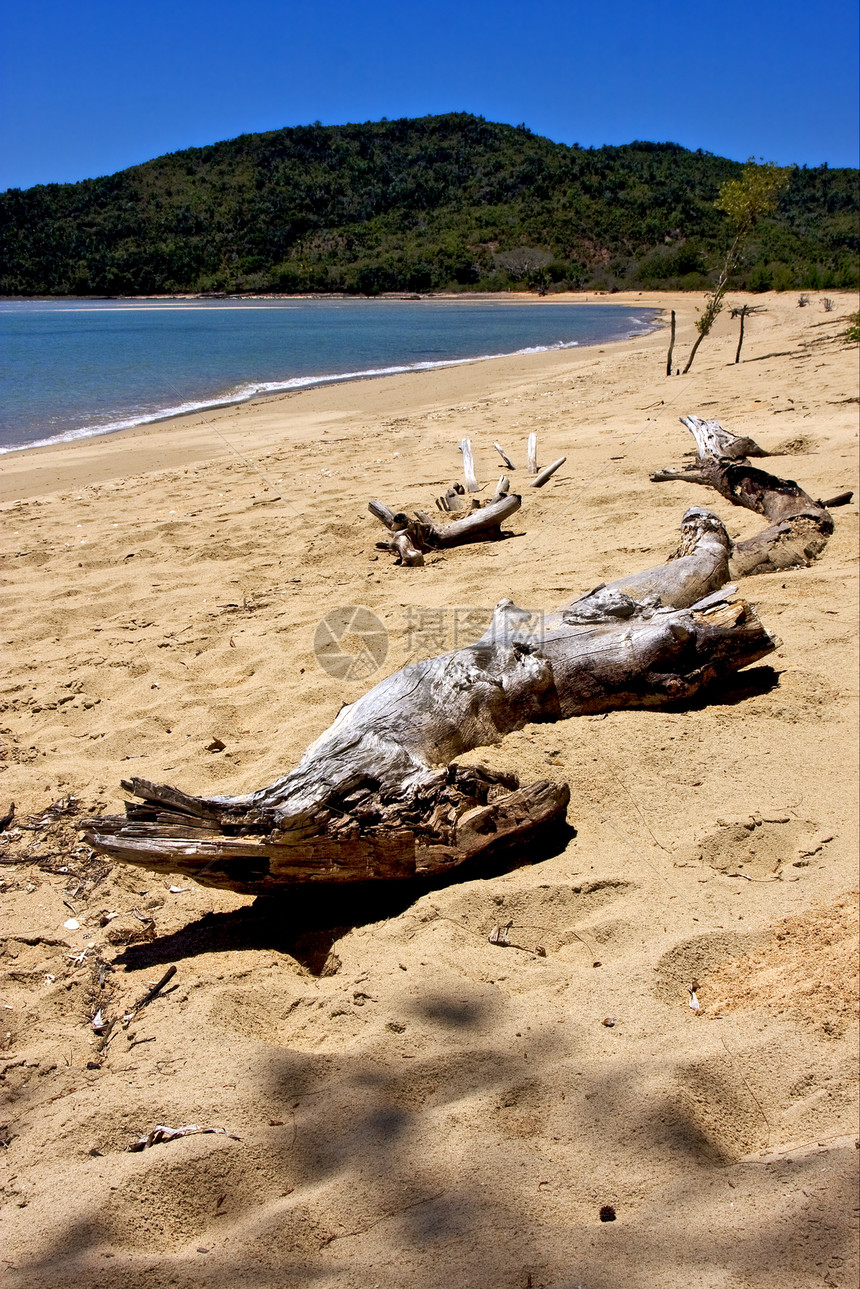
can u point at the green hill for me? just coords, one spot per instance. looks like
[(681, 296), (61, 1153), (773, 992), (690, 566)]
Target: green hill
[(451, 202)]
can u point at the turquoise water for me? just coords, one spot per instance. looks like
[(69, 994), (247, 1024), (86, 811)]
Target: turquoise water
[(74, 368)]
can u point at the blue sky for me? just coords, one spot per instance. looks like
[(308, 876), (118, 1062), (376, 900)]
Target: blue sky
[(89, 87)]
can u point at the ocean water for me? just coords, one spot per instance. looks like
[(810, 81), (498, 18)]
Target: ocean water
[(74, 368)]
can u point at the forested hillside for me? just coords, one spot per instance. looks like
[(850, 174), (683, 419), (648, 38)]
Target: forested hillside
[(444, 202)]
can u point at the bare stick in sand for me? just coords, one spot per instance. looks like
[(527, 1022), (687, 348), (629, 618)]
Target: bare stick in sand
[(546, 473), (531, 455), (379, 794), (799, 527), (503, 454), (469, 466)]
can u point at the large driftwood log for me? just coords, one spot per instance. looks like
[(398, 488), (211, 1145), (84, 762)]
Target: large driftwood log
[(412, 536), (377, 795), (799, 527)]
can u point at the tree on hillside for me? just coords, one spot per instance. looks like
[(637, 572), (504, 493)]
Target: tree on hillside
[(744, 200), (525, 264)]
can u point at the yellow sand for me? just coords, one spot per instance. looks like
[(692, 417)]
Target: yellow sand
[(414, 1106)]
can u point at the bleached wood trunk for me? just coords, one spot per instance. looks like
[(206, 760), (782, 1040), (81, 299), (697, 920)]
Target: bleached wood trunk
[(799, 527), (377, 795), (469, 466)]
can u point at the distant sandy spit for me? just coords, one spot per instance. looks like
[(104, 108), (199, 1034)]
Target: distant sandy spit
[(404, 1102)]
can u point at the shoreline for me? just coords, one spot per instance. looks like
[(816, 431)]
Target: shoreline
[(299, 383), (48, 460), (513, 297)]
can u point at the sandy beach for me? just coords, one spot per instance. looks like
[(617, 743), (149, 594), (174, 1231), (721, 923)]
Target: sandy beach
[(405, 1104)]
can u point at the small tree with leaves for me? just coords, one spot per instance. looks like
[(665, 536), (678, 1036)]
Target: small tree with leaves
[(744, 200)]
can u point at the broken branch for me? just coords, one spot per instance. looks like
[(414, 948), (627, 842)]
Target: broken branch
[(547, 472)]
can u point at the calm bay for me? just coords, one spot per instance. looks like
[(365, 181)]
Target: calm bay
[(75, 368)]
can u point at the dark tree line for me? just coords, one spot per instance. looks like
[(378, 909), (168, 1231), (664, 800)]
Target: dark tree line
[(418, 205)]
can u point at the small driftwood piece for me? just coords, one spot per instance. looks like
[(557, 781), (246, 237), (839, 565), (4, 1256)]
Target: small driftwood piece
[(469, 466), (454, 499), (161, 1133), (410, 538), (379, 795), (546, 473), (799, 527), (400, 542), (154, 990), (503, 454), (531, 454)]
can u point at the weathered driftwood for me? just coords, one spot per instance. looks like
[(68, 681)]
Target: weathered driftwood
[(799, 527), (453, 499), (697, 568), (469, 466), (421, 533), (377, 795), (503, 454), (361, 832), (719, 441), (841, 499), (546, 473), (400, 542), (531, 454)]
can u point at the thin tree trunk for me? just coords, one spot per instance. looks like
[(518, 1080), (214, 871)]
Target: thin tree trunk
[(671, 346), (694, 350), (740, 338), (715, 303)]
